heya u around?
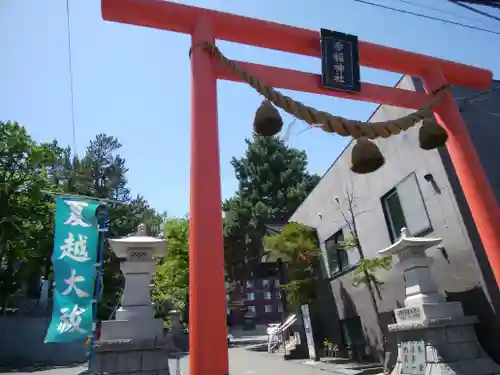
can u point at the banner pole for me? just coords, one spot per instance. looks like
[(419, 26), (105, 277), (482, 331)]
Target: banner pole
[(103, 228)]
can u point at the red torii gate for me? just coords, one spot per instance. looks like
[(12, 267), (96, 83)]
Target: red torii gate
[(208, 342)]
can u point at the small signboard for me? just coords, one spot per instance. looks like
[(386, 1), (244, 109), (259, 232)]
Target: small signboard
[(309, 333), (340, 61), (413, 359), (408, 314)]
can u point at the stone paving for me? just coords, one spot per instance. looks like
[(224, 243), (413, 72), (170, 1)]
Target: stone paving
[(246, 362), (242, 361)]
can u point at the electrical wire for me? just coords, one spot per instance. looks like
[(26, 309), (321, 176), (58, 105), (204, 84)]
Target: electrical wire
[(71, 89), (472, 9), (428, 7), (427, 17), (492, 3)]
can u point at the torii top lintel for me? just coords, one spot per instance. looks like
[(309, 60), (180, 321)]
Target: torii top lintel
[(176, 17)]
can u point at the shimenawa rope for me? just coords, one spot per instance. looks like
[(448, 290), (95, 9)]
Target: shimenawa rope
[(324, 120)]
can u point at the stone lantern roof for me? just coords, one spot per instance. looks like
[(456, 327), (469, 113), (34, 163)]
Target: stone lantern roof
[(410, 243), (140, 239)]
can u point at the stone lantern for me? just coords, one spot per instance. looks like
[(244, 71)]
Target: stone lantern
[(134, 318), (434, 336)]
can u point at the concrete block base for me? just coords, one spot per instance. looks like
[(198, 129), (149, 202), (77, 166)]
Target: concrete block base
[(132, 357), (441, 347), (135, 329)]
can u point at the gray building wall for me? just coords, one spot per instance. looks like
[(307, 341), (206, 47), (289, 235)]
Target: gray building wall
[(21, 344), (460, 272)]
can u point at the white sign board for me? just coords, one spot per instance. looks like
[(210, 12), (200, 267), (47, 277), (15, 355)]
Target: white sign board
[(408, 314), (309, 333), (413, 357)]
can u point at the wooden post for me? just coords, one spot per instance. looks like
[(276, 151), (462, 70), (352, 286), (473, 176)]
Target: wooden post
[(470, 173), (207, 313)]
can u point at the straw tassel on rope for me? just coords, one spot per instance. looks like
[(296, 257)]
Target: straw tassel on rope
[(366, 156)]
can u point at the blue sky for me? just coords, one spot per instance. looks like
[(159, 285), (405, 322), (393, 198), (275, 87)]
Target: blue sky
[(133, 82)]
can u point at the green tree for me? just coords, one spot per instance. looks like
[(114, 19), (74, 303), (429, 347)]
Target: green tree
[(366, 272), (171, 280), (296, 243), (101, 173), (273, 182), (27, 172), (25, 210)]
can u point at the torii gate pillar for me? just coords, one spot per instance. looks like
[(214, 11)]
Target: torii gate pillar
[(208, 342)]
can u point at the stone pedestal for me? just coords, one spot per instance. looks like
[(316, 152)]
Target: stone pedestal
[(134, 343), (132, 357), (177, 332), (434, 336), (135, 317)]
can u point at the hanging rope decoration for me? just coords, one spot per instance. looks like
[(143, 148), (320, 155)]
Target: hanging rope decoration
[(365, 156)]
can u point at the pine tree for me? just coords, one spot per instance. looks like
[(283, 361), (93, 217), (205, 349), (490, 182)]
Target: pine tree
[(273, 182)]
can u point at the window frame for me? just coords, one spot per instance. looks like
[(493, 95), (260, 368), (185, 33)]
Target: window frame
[(250, 294), (387, 215), (335, 238), (270, 309), (268, 294)]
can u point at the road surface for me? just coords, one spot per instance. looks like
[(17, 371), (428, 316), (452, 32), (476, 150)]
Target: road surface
[(242, 361), (246, 362)]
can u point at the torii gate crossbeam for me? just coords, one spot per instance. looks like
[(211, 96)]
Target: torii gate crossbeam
[(208, 342)]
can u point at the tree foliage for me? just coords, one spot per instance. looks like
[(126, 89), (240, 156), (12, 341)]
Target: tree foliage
[(28, 171), (367, 269), (273, 182), (25, 211), (172, 273), (296, 244)]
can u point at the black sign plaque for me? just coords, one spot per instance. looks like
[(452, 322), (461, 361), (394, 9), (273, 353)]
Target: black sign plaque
[(340, 61)]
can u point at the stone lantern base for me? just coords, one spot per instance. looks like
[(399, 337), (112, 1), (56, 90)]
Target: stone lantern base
[(135, 329), (132, 357), (441, 346)]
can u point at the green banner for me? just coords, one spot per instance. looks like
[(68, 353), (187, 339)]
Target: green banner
[(76, 239)]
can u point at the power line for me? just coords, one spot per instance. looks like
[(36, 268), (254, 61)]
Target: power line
[(428, 7), (491, 3), (427, 17), (472, 9), (70, 62)]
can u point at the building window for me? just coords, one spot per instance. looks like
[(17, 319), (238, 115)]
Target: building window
[(278, 295), (250, 296), (276, 283), (249, 283), (280, 308), (265, 283), (267, 295), (337, 257), (404, 207), (252, 310), (268, 308)]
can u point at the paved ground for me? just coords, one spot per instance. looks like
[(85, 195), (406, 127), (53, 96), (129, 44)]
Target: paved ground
[(242, 361), (52, 371), (246, 362)]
